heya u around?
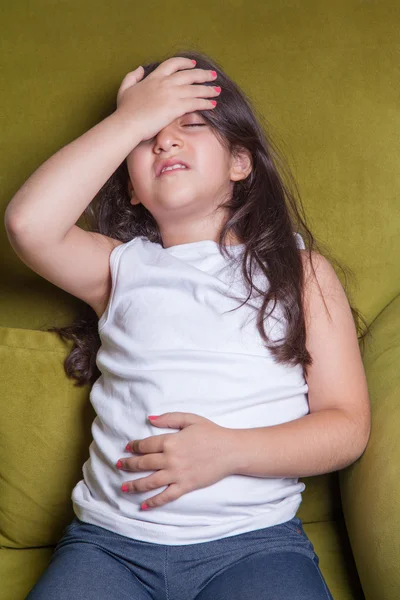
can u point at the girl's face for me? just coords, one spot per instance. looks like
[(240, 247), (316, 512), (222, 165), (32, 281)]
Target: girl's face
[(182, 201)]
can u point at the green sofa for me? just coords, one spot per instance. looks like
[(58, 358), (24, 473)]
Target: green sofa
[(326, 76), (45, 435)]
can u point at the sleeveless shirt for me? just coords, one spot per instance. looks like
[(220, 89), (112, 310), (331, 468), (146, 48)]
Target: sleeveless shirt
[(177, 336)]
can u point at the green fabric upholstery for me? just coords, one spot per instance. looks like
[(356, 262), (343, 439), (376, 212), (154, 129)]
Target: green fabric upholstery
[(325, 77), (45, 433), (370, 489)]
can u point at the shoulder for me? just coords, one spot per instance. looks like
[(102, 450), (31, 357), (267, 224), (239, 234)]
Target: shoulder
[(319, 262), (336, 379), (322, 286), (316, 268)]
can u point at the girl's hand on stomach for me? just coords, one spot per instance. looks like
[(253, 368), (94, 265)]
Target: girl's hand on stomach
[(201, 454), (164, 95)]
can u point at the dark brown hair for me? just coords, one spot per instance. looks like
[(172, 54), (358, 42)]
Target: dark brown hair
[(262, 213)]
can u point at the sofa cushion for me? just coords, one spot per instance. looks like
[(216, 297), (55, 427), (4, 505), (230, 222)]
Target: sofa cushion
[(45, 434)]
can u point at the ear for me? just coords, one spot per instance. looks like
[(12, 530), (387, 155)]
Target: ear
[(131, 192), (241, 165)]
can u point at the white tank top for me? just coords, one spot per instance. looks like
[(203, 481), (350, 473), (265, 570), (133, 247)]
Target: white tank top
[(169, 343)]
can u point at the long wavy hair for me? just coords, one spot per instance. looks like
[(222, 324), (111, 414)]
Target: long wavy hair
[(263, 213)]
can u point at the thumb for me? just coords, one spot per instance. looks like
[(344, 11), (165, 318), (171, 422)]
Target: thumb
[(133, 75), (139, 72), (129, 80)]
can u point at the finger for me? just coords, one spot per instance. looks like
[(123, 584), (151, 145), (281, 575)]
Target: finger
[(154, 443), (195, 76), (147, 484), (147, 462), (170, 494), (200, 91), (171, 65), (196, 104), (130, 79), (136, 72)]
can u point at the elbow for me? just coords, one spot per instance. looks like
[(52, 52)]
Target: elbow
[(367, 439), (13, 224), (364, 443), (360, 432)]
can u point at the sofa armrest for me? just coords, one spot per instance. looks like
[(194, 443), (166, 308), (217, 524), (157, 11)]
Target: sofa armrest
[(370, 487)]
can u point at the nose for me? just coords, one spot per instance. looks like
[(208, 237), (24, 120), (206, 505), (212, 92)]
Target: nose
[(167, 138)]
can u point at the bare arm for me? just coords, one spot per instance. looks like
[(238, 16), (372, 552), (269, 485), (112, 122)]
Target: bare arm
[(336, 431), (40, 218), (57, 193), (320, 442)]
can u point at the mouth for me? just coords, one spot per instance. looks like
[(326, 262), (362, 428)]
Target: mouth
[(172, 171), (172, 164)]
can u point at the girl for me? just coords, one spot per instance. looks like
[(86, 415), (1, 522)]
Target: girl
[(188, 217)]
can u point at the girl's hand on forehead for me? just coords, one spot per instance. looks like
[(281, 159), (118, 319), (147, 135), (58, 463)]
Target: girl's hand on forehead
[(164, 95)]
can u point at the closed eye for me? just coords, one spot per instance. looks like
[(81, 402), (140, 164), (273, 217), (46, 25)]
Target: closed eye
[(191, 125)]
